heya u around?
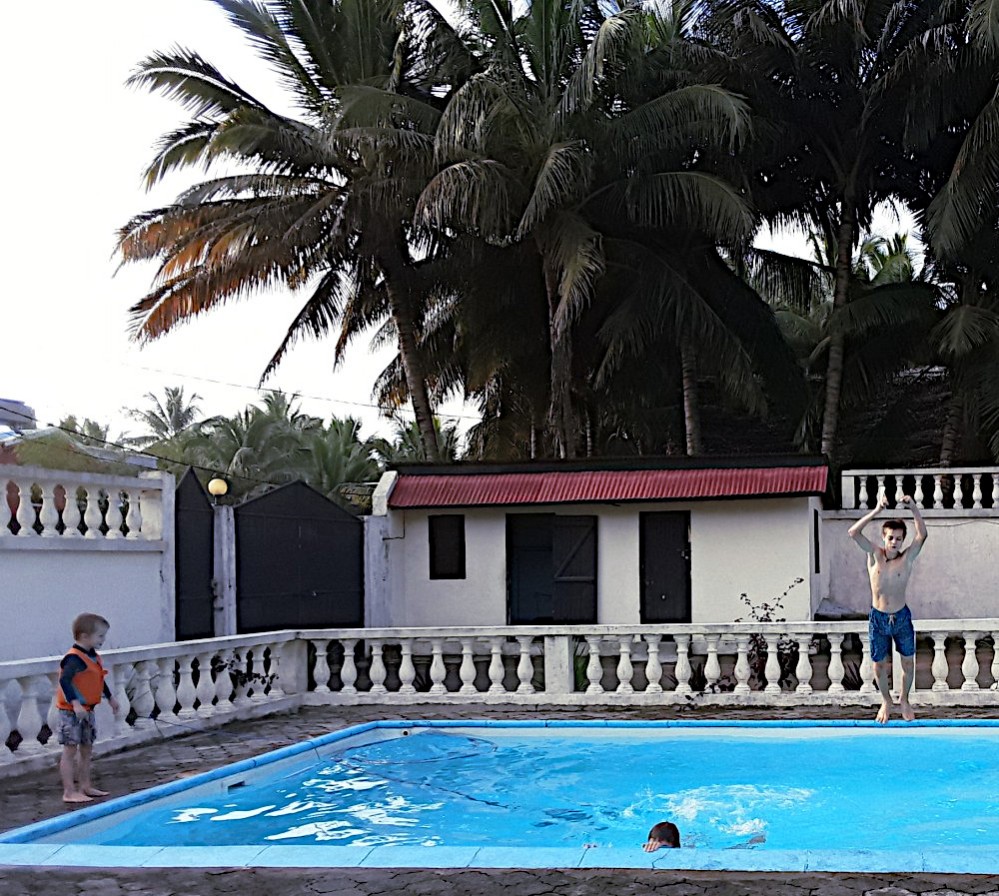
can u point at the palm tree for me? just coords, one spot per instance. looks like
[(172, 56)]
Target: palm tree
[(168, 418), (406, 445), (552, 140), (837, 86), (337, 454), (322, 200)]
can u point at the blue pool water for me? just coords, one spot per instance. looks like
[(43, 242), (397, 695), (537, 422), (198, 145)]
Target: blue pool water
[(745, 796)]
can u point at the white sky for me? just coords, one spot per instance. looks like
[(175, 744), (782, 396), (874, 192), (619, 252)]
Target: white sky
[(77, 142)]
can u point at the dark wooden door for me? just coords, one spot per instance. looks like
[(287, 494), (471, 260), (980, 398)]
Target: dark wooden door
[(665, 566), (194, 526), (551, 568)]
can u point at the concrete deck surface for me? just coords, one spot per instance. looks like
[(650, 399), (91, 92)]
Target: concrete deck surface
[(35, 796)]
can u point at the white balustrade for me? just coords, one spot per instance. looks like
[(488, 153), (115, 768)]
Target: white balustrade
[(157, 681), (80, 496), (854, 483)]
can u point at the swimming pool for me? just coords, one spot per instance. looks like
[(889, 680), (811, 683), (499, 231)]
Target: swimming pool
[(746, 796)]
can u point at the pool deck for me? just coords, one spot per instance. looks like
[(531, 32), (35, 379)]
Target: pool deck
[(36, 796)]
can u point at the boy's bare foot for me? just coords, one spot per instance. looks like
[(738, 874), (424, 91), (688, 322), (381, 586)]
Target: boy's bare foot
[(907, 711), (94, 791), (883, 713), (76, 798)]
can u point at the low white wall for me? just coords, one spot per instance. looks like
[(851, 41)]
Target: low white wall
[(46, 581), (954, 576), (41, 591), (754, 546)]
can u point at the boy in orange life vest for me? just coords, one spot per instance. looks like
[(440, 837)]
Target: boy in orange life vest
[(81, 686)]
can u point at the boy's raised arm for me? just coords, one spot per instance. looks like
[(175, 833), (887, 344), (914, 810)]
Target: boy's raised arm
[(856, 531), (919, 525)]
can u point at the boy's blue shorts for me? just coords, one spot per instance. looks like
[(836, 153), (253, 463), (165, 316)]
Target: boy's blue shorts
[(883, 628)]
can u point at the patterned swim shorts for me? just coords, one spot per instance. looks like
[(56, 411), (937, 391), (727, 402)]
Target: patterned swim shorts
[(883, 628), (73, 731)]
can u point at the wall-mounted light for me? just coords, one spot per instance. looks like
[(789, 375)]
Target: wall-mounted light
[(217, 487)]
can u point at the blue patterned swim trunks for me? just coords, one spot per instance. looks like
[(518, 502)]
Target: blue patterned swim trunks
[(883, 628), (73, 732)]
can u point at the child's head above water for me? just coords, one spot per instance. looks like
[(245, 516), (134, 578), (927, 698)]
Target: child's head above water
[(666, 833)]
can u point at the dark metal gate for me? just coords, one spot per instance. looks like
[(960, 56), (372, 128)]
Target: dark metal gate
[(299, 562), (194, 525)]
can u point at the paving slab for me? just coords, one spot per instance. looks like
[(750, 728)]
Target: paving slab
[(36, 796)]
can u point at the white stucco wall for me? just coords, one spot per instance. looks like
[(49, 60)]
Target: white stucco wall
[(954, 576), (42, 591), (753, 546)]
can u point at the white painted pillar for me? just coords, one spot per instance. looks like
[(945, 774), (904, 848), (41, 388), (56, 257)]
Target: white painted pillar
[(224, 571)]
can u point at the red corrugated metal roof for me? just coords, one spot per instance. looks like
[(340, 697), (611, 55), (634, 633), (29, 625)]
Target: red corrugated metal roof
[(478, 489)]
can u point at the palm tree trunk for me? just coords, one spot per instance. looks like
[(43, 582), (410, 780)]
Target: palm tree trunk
[(834, 368), (691, 408), (948, 446), (403, 315), (560, 413)]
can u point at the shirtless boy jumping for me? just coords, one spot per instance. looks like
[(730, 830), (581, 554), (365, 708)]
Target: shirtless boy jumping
[(890, 619)]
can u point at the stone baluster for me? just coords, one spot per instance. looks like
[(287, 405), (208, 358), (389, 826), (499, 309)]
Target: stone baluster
[(377, 671), (348, 671), (995, 491), (958, 492), (5, 725), (438, 671), (937, 490), (120, 674), (653, 668), (712, 668), (594, 668), (112, 515), (134, 518), (223, 681), (995, 663), (275, 689), (52, 715), (836, 670), (407, 671), (862, 496), (682, 670), (939, 666), (917, 494), (742, 669), (321, 669), (624, 667), (881, 486), (969, 667), (255, 668), (29, 719), (497, 671), (899, 491), (71, 515), (467, 670), (143, 701), (976, 491), (186, 694), (239, 677), (205, 690), (771, 670), (48, 516), (866, 665), (92, 517), (166, 692), (525, 668), (803, 670), (25, 515)]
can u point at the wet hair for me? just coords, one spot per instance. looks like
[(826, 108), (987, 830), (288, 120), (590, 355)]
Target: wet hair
[(894, 524), (666, 832), (89, 624)]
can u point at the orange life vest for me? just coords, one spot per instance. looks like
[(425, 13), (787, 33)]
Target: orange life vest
[(89, 682)]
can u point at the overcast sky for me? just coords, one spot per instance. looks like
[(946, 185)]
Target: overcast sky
[(77, 142)]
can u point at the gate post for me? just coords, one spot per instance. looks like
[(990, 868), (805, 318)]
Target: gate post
[(558, 664), (224, 571)]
